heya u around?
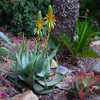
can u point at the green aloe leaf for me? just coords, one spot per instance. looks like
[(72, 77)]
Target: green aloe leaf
[(3, 51), (41, 90), (83, 36), (6, 40), (37, 87), (51, 82)]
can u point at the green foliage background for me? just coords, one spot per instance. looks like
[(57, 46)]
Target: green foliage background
[(19, 15), (92, 5)]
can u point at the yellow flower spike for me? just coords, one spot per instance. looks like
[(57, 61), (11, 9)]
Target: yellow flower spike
[(50, 18), (39, 24)]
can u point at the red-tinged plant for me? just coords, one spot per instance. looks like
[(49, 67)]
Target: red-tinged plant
[(81, 94), (86, 81), (82, 85), (96, 86), (97, 78)]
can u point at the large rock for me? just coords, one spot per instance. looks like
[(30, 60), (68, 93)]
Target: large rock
[(96, 67), (56, 95), (95, 45), (25, 96), (93, 97), (67, 12)]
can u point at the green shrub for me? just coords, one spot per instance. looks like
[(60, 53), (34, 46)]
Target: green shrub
[(80, 45), (5, 12), (91, 7), (86, 4), (19, 15)]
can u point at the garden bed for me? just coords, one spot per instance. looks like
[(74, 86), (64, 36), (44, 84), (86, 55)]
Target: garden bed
[(9, 90)]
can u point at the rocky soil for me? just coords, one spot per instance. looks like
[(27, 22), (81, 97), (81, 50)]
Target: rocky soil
[(10, 91)]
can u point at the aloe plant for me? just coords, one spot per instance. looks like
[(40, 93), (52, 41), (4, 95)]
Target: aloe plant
[(32, 66)]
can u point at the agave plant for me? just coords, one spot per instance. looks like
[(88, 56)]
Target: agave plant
[(32, 66), (80, 45)]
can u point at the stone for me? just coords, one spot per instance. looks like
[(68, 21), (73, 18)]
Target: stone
[(96, 67), (28, 95), (63, 70), (66, 84), (95, 45), (67, 12), (55, 95), (94, 97)]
